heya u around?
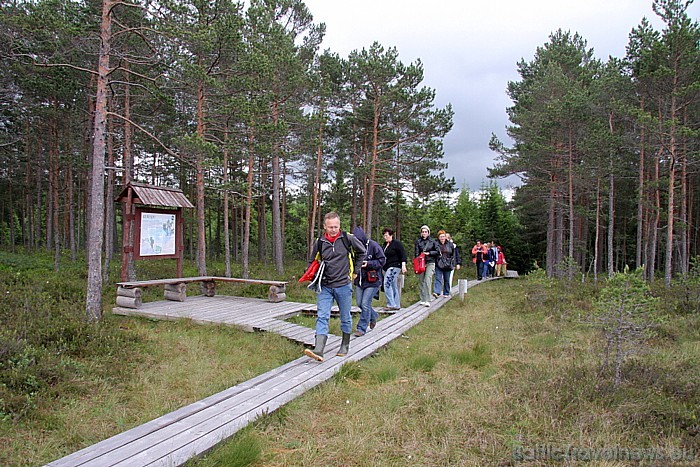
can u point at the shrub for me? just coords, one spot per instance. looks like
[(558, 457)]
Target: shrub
[(624, 313), (44, 333)]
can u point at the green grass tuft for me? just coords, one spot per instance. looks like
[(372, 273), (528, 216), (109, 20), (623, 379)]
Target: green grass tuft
[(349, 371), (478, 357), (245, 448), (385, 374), (422, 362)]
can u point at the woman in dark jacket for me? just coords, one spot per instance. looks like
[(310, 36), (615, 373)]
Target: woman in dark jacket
[(444, 265), (395, 265), (426, 244), (368, 281)]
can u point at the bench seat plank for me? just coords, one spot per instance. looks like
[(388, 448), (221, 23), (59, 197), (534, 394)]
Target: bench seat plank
[(176, 280)]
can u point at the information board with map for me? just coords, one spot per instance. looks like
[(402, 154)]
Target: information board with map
[(157, 234)]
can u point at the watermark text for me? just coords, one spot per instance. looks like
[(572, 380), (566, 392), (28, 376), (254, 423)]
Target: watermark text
[(551, 452)]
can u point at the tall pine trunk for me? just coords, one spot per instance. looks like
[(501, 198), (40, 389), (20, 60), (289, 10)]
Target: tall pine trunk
[(95, 238), (596, 246), (373, 167), (245, 253), (109, 207), (673, 152), (572, 236), (71, 214), (611, 224), (316, 190), (684, 259), (227, 214), (654, 227), (640, 194), (54, 180), (550, 232), (199, 185), (277, 251), (611, 207)]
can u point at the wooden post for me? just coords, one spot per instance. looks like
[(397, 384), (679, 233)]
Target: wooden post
[(129, 297), (133, 292), (179, 239), (127, 246), (462, 284), (208, 288), (175, 292), (277, 293)]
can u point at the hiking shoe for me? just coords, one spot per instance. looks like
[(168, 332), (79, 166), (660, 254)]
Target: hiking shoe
[(358, 333), (372, 324), (426, 304)]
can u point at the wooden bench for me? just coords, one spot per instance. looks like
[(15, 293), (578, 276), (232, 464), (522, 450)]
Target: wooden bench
[(129, 293)]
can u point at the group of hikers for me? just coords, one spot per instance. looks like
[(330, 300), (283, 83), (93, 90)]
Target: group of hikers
[(360, 263)]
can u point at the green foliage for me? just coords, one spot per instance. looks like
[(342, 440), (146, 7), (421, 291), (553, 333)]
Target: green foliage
[(625, 312), (44, 333), (245, 448), (560, 299), (349, 371), (540, 291), (422, 362), (385, 374), (477, 357), (687, 289)]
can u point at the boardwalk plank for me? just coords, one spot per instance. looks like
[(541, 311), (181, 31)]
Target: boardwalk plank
[(176, 437)]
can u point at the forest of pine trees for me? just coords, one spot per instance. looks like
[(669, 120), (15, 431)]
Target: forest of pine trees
[(608, 151), (237, 106)]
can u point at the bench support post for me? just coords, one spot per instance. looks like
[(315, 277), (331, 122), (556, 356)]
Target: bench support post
[(129, 297), (208, 288), (175, 292), (277, 293)]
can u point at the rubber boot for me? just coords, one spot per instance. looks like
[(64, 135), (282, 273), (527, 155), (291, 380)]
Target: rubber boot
[(344, 345), (317, 352)]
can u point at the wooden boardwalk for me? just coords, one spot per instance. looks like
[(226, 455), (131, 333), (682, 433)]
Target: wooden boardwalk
[(249, 314), (176, 437)]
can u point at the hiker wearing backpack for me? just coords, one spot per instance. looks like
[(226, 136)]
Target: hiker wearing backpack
[(342, 255), (368, 281)]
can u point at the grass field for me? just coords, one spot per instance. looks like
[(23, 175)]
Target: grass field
[(490, 381), (511, 373)]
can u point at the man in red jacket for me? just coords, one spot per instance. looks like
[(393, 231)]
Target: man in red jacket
[(337, 249)]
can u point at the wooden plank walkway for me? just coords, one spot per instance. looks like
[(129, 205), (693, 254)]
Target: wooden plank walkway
[(249, 314), (176, 437)]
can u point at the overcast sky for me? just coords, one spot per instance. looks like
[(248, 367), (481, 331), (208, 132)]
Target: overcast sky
[(470, 49)]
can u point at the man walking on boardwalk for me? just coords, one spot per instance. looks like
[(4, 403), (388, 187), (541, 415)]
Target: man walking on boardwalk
[(342, 254)]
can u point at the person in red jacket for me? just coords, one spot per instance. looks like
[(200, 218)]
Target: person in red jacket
[(500, 263), (480, 259)]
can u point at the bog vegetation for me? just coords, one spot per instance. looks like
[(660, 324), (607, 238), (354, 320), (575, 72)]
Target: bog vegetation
[(519, 363)]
